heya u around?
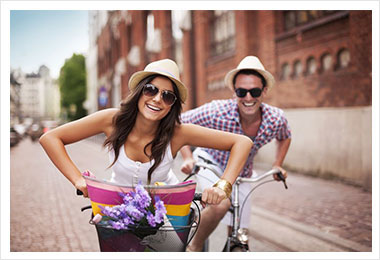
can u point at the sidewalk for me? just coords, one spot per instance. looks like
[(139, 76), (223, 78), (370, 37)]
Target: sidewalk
[(329, 209), (313, 214)]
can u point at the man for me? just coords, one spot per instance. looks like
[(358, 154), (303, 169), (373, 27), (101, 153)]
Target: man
[(244, 114)]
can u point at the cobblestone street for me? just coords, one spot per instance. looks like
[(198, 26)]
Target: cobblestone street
[(317, 215)]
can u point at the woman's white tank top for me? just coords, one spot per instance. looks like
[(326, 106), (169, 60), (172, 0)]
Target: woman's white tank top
[(128, 172)]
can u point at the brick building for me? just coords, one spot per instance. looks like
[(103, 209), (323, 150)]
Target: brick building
[(321, 60)]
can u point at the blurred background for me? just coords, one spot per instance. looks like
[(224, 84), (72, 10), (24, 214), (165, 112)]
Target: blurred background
[(321, 60)]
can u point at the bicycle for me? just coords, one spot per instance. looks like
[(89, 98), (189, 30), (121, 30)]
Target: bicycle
[(237, 240)]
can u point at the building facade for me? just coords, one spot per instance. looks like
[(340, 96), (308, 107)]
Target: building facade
[(15, 106), (321, 60), (39, 95)]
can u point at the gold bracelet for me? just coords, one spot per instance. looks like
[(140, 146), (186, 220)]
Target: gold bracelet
[(224, 185)]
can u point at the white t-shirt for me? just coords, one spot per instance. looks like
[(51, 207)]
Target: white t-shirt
[(128, 172)]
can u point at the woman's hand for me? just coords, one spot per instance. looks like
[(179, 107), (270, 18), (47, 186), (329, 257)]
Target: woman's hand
[(188, 165), (213, 196), (81, 185)]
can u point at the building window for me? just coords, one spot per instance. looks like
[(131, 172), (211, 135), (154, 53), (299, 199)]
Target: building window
[(149, 25), (311, 66), (326, 62), (293, 19), (297, 68), (285, 71), (343, 58), (222, 28)]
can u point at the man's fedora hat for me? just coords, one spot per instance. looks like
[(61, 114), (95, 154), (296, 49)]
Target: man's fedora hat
[(167, 68), (251, 63)]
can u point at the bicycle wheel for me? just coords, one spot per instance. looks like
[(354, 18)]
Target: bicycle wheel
[(240, 248), (236, 247)]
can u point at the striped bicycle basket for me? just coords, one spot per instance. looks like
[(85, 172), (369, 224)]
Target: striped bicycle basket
[(177, 200)]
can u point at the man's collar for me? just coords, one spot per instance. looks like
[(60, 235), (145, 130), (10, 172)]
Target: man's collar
[(233, 114)]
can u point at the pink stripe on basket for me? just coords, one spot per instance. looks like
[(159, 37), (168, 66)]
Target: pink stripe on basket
[(179, 198), (181, 187), (104, 196), (108, 193)]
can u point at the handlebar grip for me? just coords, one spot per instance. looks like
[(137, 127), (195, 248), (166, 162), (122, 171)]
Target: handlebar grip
[(197, 196), (79, 192), (282, 178)]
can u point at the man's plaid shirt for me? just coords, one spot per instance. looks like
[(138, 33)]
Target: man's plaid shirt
[(224, 115)]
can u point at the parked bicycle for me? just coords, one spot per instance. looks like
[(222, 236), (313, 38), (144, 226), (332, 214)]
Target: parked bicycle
[(237, 240)]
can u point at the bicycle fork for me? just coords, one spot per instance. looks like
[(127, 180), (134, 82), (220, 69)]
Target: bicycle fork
[(238, 236), (233, 238)]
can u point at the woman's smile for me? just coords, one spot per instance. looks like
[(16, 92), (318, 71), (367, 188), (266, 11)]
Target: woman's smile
[(154, 108)]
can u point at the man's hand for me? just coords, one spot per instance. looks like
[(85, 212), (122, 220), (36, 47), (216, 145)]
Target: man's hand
[(188, 165), (283, 171)]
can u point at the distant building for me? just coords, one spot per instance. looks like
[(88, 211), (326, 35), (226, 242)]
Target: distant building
[(39, 95), (321, 60), (15, 108)]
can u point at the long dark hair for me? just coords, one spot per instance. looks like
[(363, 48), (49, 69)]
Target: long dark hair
[(125, 119)]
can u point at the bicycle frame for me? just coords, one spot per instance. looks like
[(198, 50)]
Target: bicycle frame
[(233, 238)]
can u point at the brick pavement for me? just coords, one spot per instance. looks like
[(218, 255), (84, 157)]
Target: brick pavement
[(45, 213), (330, 206)]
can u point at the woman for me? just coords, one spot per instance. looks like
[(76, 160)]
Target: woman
[(145, 134)]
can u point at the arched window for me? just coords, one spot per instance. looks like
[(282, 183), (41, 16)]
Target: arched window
[(297, 68), (343, 58), (222, 29), (311, 66), (327, 62), (285, 71)]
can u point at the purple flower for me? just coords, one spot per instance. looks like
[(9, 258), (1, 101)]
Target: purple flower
[(160, 210), (137, 208), (128, 221), (134, 212), (117, 225), (144, 199), (151, 220)]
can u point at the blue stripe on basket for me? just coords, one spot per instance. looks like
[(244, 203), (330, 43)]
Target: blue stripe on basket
[(178, 221)]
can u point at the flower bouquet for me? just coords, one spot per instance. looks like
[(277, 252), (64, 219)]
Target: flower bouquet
[(138, 213)]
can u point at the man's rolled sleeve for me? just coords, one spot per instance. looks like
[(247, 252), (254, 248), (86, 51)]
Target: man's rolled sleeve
[(284, 131)]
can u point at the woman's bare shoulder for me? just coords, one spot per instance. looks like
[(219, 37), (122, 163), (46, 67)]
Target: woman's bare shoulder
[(180, 135), (104, 118)]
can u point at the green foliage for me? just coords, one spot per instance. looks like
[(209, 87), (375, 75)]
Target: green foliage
[(72, 85)]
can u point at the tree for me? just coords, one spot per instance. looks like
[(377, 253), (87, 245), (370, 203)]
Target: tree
[(72, 85)]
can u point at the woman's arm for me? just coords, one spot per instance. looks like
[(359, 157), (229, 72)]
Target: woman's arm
[(54, 142), (238, 145)]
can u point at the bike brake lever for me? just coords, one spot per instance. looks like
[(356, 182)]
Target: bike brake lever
[(206, 160), (197, 196), (282, 178)]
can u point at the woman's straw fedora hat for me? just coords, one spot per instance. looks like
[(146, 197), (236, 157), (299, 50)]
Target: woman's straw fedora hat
[(251, 63), (167, 68)]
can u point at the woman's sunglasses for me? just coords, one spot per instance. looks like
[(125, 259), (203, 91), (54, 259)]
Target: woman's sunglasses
[(242, 92), (167, 96)]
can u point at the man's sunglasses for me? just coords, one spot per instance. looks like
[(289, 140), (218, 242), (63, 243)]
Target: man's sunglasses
[(167, 96), (242, 92)]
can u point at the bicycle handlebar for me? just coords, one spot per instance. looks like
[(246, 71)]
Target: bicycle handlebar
[(239, 180), (263, 176)]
